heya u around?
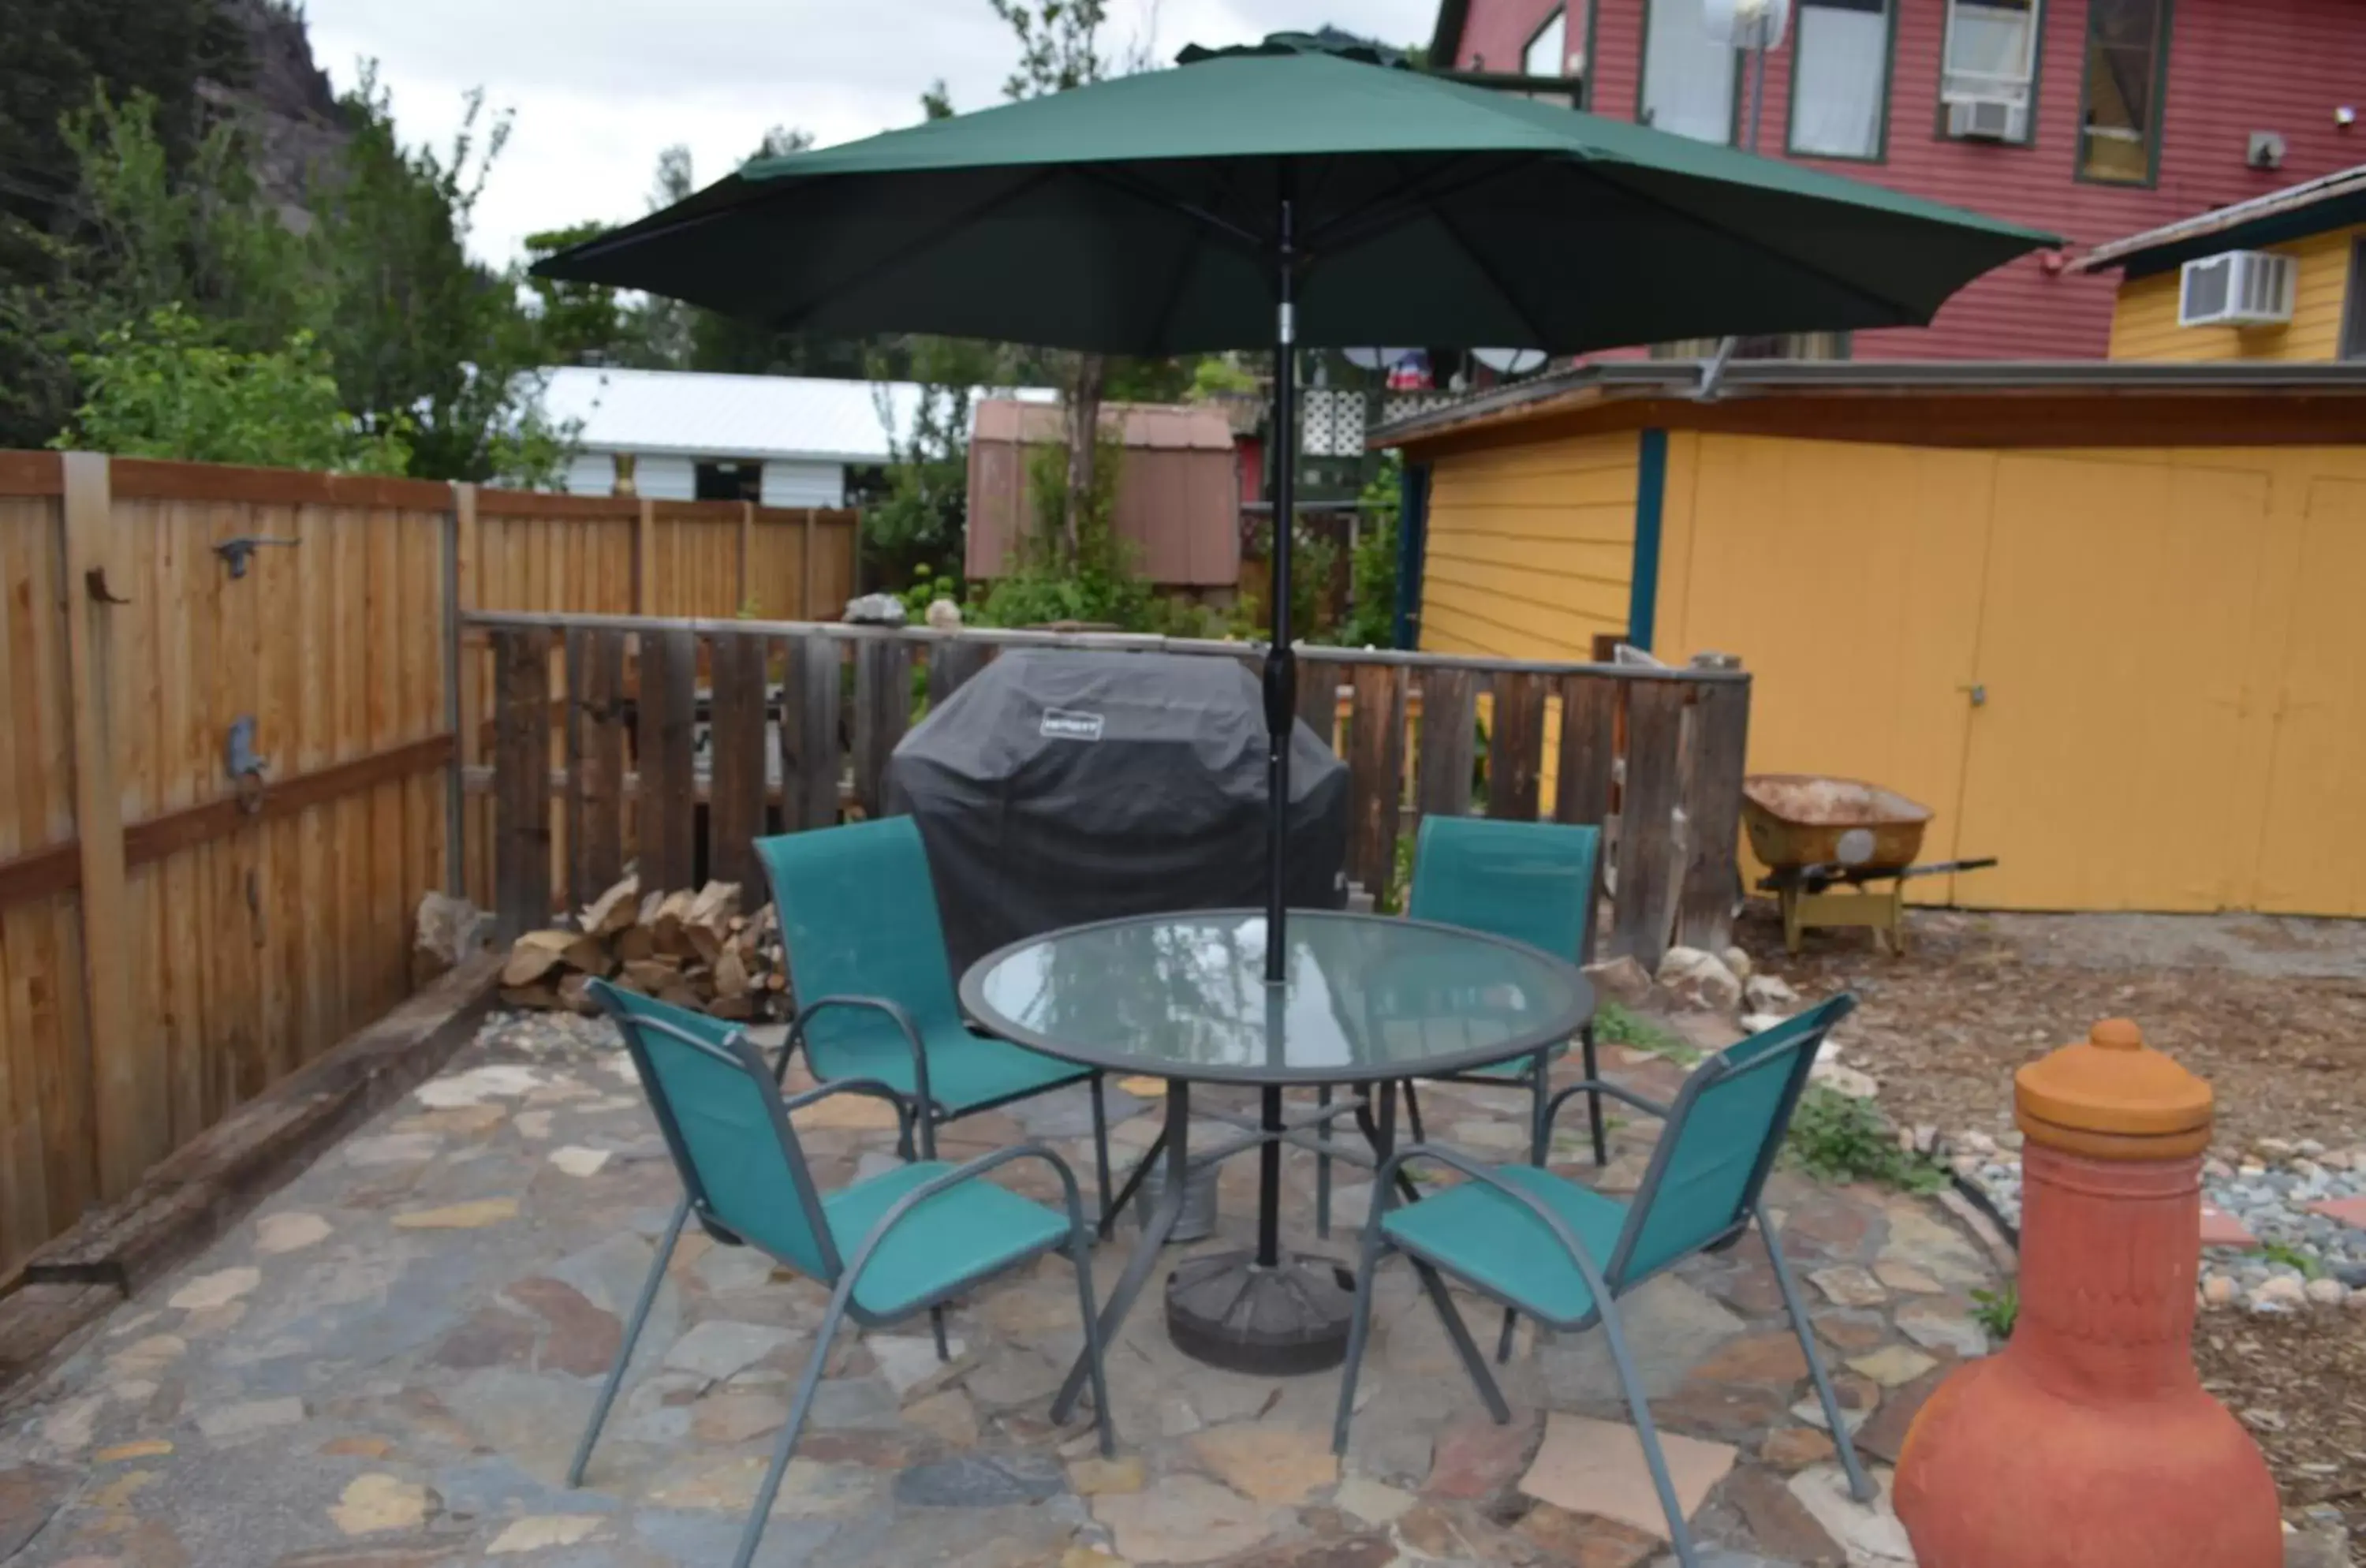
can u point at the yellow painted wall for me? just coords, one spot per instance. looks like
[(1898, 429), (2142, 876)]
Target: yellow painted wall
[(2144, 322), (1530, 547), (2174, 667)]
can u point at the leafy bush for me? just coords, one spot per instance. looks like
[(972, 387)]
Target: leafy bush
[(165, 389), (1838, 1137), (1371, 620)]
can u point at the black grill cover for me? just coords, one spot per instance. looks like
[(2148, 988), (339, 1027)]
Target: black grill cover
[(1058, 787)]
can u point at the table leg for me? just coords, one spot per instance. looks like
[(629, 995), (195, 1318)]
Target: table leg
[(1132, 1180), (1268, 1251), (1138, 1268)]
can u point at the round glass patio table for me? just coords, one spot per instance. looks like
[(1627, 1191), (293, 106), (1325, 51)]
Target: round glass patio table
[(1366, 999)]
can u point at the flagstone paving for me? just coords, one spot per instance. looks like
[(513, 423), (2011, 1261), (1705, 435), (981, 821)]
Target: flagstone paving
[(389, 1364)]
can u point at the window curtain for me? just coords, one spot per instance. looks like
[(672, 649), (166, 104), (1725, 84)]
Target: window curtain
[(1838, 77), (1687, 75)]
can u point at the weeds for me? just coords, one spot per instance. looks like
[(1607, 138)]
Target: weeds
[(1616, 1025), (2291, 1256), (1838, 1137), (1996, 1311)]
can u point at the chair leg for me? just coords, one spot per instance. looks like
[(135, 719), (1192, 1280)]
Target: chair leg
[(1412, 1112), (1679, 1535), (1457, 1331), (753, 1535), (1080, 1252), (650, 1289), (1100, 1145), (1322, 1167), (1859, 1486), (1133, 1182), (1592, 1099), (1360, 1331)]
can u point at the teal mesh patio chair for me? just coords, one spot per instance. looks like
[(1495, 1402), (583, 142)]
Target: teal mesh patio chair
[(1532, 882), (1565, 1254), (875, 991), (899, 1243)]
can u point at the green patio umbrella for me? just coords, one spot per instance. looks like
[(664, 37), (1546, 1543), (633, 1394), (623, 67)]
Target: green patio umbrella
[(1295, 195)]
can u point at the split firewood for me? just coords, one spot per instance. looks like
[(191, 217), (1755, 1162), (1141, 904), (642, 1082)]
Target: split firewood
[(540, 999), (651, 902), (635, 941), (682, 996), (737, 1008), (575, 993), (707, 922), (652, 975), (614, 910), (536, 955), (730, 975), (668, 925)]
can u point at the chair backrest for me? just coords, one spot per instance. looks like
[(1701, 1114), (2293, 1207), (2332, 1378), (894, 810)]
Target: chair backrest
[(1721, 1140), (859, 918), (1532, 882), (721, 1114)]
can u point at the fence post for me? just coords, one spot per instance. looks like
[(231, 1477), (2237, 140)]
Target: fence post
[(522, 782), (644, 558), (805, 571), (111, 1076), (1713, 814), (741, 604), (459, 586)]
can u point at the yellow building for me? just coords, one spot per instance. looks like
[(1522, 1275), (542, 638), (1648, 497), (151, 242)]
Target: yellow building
[(2104, 619), (2281, 277)]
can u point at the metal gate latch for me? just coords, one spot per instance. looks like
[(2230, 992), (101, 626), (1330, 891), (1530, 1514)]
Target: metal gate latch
[(246, 767), (236, 553)]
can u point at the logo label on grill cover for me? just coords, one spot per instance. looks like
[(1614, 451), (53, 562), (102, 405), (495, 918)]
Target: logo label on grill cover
[(1066, 724)]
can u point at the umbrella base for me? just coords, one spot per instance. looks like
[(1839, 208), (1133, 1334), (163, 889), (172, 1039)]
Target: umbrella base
[(1227, 1311)]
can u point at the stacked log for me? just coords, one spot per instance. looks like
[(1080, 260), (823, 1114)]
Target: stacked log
[(692, 948)]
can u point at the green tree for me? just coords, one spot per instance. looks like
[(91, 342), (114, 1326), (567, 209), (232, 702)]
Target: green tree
[(164, 389)]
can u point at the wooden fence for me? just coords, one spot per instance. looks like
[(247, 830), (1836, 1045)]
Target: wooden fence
[(673, 742), (173, 938)]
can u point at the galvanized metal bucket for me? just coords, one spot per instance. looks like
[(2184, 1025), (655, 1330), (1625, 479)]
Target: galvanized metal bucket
[(1197, 1220)]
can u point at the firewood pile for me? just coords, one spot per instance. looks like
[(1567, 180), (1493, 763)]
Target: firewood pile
[(693, 948)]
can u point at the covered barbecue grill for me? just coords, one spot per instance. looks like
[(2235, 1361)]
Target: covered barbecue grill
[(1059, 787)]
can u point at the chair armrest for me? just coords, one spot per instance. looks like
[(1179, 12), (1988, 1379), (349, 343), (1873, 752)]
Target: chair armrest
[(1596, 1085), (871, 1086), (902, 1019), (1384, 1184), (968, 1171)]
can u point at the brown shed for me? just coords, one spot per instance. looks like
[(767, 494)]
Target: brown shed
[(1178, 498)]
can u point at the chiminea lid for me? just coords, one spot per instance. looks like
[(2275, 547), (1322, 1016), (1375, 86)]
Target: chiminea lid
[(2113, 1096)]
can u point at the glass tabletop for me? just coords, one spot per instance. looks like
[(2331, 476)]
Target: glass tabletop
[(1181, 996)]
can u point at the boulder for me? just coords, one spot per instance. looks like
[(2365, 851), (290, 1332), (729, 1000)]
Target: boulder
[(1768, 993), (1623, 980), (1699, 980), (1843, 1079), (1737, 961)]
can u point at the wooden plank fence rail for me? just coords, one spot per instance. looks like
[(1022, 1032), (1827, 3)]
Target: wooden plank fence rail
[(174, 940), (1651, 754)]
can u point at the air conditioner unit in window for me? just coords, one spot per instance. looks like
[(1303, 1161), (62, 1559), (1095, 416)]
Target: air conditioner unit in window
[(2237, 289), (1985, 119)]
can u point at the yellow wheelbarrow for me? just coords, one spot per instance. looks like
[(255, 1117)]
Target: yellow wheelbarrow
[(1814, 834)]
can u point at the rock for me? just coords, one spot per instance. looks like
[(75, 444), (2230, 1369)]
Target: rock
[(1582, 1541), (537, 1531), (2309, 1148), (2326, 1293), (288, 1232), (981, 1481), (226, 1422), (1699, 980), (2273, 1150), (2219, 1291), (577, 1160), (2278, 1292), (944, 616), (473, 1215), (875, 610), (1371, 1501), (1623, 980), (1924, 1139), (1869, 1533), (29, 1494), (1738, 962), (946, 1415), (377, 1502), (1768, 993), (1933, 1327), (1779, 1522), (1094, 1476), (1893, 1366), (1902, 1276), (446, 930), (1270, 1464), (1843, 1079), (1759, 1023), (1795, 1448), (220, 1289), (717, 1348), (1598, 1467), (1849, 1286), (1977, 1144), (2325, 1544), (1184, 1519), (737, 1415)]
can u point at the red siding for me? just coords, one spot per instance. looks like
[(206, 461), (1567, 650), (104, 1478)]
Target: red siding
[(2235, 66)]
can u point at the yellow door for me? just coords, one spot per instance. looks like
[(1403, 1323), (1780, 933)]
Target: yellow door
[(2313, 844), (2103, 762)]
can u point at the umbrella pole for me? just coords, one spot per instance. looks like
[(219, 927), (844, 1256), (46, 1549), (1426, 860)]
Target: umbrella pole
[(1281, 662)]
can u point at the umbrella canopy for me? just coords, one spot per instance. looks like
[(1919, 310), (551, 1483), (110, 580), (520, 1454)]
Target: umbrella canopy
[(1141, 216), (1299, 195)]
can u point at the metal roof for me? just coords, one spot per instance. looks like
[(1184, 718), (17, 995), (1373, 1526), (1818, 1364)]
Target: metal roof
[(1680, 379), (697, 414), (1159, 426), (2279, 214)]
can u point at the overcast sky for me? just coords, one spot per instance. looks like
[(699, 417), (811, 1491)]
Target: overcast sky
[(599, 86)]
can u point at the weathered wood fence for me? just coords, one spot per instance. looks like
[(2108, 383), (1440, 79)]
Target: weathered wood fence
[(673, 742), (172, 938)]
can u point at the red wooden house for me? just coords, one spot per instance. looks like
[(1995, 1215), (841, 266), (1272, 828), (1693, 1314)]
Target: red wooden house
[(2094, 118)]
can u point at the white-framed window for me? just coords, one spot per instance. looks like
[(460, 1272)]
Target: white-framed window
[(1689, 74), (1840, 78), (1991, 58), (1548, 53)]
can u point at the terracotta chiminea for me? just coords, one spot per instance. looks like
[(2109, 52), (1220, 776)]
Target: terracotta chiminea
[(2087, 1442)]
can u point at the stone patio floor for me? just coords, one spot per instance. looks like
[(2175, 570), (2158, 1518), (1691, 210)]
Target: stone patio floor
[(388, 1364)]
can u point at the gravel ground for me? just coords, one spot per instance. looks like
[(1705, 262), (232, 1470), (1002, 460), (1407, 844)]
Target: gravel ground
[(2271, 1011)]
